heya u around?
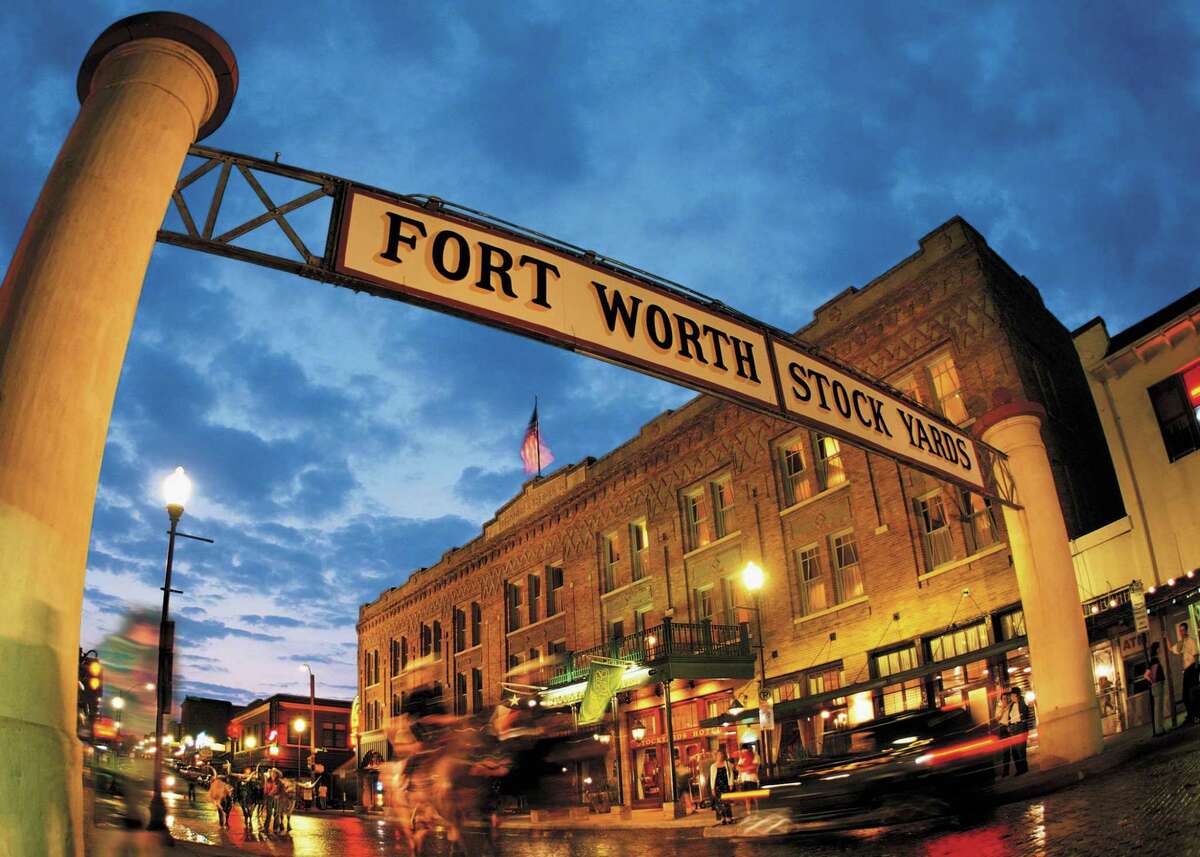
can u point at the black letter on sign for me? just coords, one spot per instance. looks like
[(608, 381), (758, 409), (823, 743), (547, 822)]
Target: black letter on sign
[(717, 336), (539, 294), (689, 331), (743, 353), (656, 318), (487, 267), (964, 458), (439, 255), (859, 396), (628, 313), (797, 373), (395, 239), (842, 401)]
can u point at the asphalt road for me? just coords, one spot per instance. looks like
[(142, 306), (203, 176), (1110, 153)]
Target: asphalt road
[(1151, 806)]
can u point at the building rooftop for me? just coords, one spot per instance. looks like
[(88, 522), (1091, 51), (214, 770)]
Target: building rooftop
[(1152, 322), (293, 698)]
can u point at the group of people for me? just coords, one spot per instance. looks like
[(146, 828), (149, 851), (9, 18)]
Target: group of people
[(726, 775), (1161, 704), (266, 797)]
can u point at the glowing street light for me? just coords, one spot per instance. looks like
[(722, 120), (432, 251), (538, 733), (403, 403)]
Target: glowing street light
[(754, 578), (251, 742), (118, 702), (638, 731)]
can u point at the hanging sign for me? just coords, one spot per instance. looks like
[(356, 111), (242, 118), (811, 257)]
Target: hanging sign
[(1137, 600), (450, 262)]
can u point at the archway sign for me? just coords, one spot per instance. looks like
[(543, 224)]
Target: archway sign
[(432, 253)]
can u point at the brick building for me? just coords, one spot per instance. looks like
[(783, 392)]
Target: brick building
[(271, 722), (885, 589)]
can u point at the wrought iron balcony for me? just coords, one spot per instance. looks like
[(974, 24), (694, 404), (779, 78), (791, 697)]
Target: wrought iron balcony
[(692, 649)]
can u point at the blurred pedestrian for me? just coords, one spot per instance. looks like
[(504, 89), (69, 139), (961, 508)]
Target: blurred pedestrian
[(747, 768), (721, 777), (1160, 705), (191, 790), (1185, 647)]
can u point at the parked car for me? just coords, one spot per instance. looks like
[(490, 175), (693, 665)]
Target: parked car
[(898, 769)]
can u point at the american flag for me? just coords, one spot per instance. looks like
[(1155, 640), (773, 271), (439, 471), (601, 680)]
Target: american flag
[(534, 453)]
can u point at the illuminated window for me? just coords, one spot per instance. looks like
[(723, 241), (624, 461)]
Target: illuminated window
[(722, 494), (813, 593), (980, 525), (830, 471), (793, 468), (947, 390), (972, 638), (936, 541), (704, 603), (906, 695), (697, 519), (639, 548), (910, 388), (847, 573)]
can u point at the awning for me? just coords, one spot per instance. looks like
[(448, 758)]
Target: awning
[(749, 717), (570, 694), (811, 704)]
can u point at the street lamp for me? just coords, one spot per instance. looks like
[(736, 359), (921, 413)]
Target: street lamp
[(312, 718), (177, 490), (298, 726), (638, 731), (753, 578)]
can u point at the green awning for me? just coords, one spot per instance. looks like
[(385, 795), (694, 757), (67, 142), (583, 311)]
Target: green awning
[(604, 680)]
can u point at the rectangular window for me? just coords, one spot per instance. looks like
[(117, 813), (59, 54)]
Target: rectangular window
[(514, 661), (513, 599), (847, 574), (554, 585), (616, 629), (980, 527), (972, 638), (822, 680), (1012, 624), (404, 653), (813, 594), (947, 391), (936, 542), (697, 519), (460, 630), (639, 548), (476, 624), (910, 388), (437, 639), (1175, 401), (394, 652), (476, 690), (903, 696), (611, 556), (557, 647), (830, 470), (534, 656), (639, 619), (704, 603), (792, 465), (722, 496), (426, 641), (333, 735), (534, 587), (460, 693)]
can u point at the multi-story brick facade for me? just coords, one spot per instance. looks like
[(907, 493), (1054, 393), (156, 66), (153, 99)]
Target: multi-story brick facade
[(869, 564)]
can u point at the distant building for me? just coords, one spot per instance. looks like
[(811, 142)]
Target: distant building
[(271, 723), (211, 716), (886, 590), (1145, 381)]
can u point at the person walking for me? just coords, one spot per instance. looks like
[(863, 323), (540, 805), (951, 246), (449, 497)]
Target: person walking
[(747, 768), (1185, 647), (1012, 720), (191, 790), (721, 777), (1160, 705)]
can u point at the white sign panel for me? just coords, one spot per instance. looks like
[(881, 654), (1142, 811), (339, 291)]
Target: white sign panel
[(494, 277), (822, 394), (1137, 600)]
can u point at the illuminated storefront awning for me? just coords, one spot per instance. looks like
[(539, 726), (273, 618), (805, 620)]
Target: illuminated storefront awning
[(633, 677)]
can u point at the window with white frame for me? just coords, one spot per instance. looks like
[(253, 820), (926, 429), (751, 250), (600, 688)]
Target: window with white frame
[(639, 548), (722, 496), (847, 573), (980, 527), (906, 695), (830, 470), (639, 619), (947, 391), (936, 542), (814, 595), (910, 388), (695, 509), (703, 597), (793, 468), (612, 555)]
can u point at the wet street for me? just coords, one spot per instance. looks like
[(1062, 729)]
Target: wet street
[(1150, 807)]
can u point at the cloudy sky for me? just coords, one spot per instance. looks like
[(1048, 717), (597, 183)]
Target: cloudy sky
[(768, 154)]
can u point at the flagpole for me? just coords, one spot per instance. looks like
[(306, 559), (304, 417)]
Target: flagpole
[(538, 438)]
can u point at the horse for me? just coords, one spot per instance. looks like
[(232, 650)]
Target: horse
[(221, 794)]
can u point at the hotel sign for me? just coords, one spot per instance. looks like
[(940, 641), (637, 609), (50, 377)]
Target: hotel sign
[(474, 269)]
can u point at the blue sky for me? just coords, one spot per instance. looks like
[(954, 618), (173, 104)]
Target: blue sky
[(768, 154)]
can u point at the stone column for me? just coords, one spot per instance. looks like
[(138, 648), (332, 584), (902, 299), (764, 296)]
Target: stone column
[(150, 86), (1068, 715)]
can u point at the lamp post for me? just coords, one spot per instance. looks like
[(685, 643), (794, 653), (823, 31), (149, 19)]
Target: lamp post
[(753, 579), (177, 490), (312, 714)]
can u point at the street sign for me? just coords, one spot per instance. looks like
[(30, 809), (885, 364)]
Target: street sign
[(477, 270), (1137, 600)]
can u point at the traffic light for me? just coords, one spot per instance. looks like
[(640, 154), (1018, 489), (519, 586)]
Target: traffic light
[(91, 689)]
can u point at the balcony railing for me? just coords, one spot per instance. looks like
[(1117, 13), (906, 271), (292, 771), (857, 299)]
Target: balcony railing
[(658, 644)]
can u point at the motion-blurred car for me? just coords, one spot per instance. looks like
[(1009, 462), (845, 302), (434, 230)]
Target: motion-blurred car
[(898, 769)]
